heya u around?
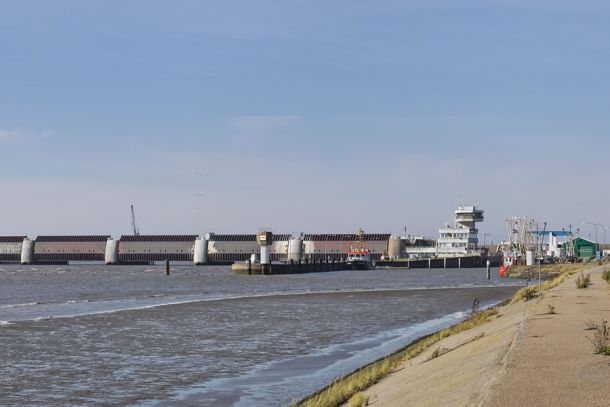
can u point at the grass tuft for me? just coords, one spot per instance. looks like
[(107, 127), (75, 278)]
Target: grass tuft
[(583, 280), (358, 400), (601, 338), (551, 309), (606, 275)]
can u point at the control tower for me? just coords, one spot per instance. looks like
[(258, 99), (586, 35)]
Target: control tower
[(461, 237)]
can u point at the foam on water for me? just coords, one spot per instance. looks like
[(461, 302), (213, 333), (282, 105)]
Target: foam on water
[(77, 308)]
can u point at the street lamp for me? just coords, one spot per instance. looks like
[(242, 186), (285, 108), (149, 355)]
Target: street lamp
[(484, 236), (604, 227), (595, 226)]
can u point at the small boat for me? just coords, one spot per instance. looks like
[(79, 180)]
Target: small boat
[(359, 258)]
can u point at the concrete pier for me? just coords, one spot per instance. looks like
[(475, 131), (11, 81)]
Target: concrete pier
[(293, 267), (443, 262)]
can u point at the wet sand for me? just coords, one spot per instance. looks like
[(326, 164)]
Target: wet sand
[(524, 357)]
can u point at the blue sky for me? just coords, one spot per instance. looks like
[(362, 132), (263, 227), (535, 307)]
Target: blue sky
[(301, 115)]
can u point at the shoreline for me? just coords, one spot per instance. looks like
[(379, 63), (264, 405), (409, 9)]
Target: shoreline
[(370, 377)]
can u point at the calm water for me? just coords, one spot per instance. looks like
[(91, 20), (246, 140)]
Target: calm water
[(97, 335)]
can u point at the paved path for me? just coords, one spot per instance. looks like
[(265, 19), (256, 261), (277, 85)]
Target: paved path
[(552, 363), (524, 357)]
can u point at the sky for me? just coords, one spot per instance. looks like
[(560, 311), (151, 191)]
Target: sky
[(301, 115)]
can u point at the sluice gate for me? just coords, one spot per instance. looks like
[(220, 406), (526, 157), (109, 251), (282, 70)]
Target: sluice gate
[(151, 248), (10, 248), (69, 248)]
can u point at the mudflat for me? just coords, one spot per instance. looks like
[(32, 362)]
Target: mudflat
[(525, 356)]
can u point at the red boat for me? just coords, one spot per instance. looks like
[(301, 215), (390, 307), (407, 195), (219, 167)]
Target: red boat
[(359, 258)]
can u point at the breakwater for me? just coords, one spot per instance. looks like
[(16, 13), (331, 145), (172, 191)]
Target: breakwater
[(290, 267), (443, 262)]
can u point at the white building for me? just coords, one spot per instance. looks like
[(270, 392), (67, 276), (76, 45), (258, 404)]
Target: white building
[(461, 237)]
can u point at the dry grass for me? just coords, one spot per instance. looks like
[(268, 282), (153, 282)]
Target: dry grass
[(583, 280), (601, 338), (606, 275), (358, 400), (565, 270)]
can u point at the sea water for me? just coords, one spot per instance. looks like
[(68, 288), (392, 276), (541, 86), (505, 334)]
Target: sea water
[(131, 335)]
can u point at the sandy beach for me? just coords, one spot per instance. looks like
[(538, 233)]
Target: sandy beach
[(525, 356)]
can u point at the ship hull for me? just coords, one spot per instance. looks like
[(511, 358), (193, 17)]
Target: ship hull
[(360, 265)]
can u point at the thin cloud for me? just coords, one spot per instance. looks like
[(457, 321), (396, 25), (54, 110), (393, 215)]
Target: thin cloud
[(260, 127), (24, 135)]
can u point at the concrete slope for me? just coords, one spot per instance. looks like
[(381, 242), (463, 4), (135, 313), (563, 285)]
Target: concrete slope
[(524, 357), (552, 363)]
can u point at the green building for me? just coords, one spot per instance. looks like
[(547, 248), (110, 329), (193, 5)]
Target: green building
[(580, 247)]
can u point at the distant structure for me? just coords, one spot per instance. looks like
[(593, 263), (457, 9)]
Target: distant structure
[(461, 237), (136, 231)]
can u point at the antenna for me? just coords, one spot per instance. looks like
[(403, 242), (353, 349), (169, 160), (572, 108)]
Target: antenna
[(136, 231)]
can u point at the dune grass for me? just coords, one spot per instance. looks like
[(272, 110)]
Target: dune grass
[(345, 388), (358, 400)]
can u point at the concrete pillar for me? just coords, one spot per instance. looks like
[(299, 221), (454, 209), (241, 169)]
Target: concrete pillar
[(112, 251), (27, 251), (295, 249), (200, 251), (265, 254)]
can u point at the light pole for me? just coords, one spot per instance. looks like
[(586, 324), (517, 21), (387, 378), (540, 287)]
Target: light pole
[(604, 227), (484, 236), (595, 226)]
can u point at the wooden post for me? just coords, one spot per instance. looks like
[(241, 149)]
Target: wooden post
[(167, 267)]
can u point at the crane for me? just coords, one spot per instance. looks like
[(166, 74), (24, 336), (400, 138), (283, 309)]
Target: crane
[(136, 231)]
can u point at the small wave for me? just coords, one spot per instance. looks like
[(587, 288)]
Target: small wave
[(341, 358), (73, 308), (26, 304), (4, 323)]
